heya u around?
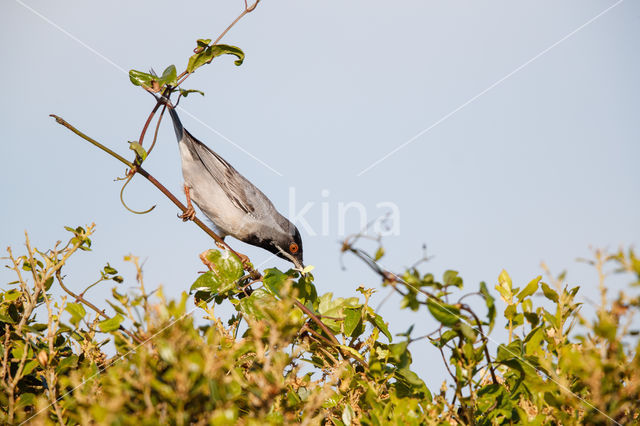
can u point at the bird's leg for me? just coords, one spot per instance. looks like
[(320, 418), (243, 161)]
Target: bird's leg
[(191, 212)]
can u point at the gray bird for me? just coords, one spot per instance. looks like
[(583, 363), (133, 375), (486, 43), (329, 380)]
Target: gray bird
[(234, 205)]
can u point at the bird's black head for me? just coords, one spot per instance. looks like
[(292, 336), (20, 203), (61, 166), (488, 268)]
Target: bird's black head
[(289, 243), (285, 242)]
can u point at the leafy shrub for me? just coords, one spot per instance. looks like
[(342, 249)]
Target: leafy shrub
[(289, 355)]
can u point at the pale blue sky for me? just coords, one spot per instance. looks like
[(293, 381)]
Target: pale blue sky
[(540, 167)]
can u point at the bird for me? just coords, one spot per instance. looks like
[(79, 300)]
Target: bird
[(234, 205)]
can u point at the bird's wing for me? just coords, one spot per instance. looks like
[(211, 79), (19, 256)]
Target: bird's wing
[(238, 189)]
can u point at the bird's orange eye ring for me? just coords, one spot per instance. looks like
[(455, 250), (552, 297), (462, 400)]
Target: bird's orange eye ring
[(293, 248)]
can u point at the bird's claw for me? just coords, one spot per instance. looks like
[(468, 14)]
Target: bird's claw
[(246, 263), (189, 214)]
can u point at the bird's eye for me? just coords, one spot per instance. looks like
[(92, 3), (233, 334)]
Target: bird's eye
[(293, 248)]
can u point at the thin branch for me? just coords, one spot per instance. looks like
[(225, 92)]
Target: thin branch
[(155, 134), (306, 327), (92, 285), (154, 181), (81, 299), (315, 319), (146, 124), (446, 364), (93, 141), (247, 9), (484, 341)]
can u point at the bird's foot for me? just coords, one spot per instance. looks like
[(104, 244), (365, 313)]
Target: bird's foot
[(246, 263), (189, 214)]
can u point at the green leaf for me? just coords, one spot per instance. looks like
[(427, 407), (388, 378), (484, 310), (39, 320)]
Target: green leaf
[(510, 312), (116, 308), (549, 317), (451, 278), (399, 353), (11, 295), (141, 153), (333, 307), (109, 270), (549, 293), (77, 312), (445, 338), (26, 399), (347, 415), (185, 92), (227, 271), (444, 313), (29, 367), (122, 298), (380, 324), (414, 385), (111, 324), (352, 317), (306, 289), (504, 286), (379, 254), (532, 342), (169, 76), (467, 331), (532, 318), (48, 283), (225, 49), (530, 289), (490, 302), (208, 53), (140, 78), (350, 350), (257, 304), (512, 350), (330, 307), (274, 280), (70, 362)]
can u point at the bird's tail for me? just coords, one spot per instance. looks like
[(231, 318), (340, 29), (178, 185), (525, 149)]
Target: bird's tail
[(177, 124)]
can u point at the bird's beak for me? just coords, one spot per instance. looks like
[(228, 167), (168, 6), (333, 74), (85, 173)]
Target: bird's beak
[(298, 265)]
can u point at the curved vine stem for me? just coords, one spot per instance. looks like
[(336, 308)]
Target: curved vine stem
[(485, 343), (146, 124), (155, 134), (131, 175)]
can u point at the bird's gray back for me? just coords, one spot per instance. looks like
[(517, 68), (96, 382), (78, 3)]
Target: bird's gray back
[(253, 210)]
